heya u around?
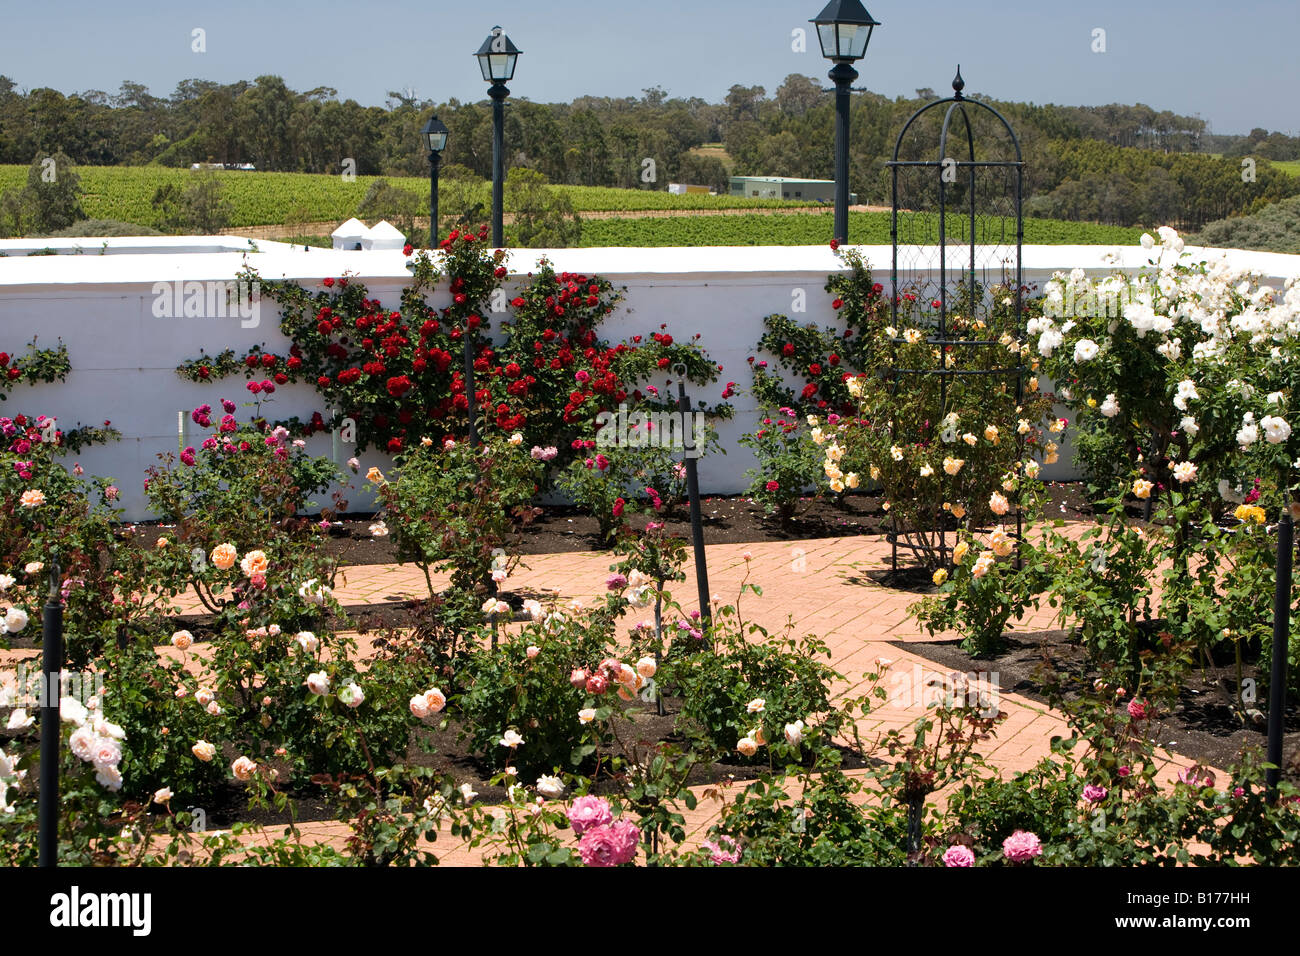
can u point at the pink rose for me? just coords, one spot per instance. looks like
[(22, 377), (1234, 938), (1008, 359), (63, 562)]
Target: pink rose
[(1137, 710), (1094, 794), (1021, 847), (726, 850), (611, 845), (587, 812), (958, 855), (578, 678), (596, 684)]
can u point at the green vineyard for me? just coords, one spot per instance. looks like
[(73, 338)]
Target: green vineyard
[(124, 193), (867, 228)]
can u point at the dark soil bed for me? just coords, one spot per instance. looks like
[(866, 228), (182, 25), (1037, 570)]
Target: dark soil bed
[(1203, 725)]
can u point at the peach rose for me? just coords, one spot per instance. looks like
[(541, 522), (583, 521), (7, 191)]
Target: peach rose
[(223, 556), (255, 562), (244, 768), (204, 751)]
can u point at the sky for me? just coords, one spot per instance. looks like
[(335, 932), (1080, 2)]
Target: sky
[(1233, 64)]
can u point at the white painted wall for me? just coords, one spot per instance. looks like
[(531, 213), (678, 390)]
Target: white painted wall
[(124, 358)]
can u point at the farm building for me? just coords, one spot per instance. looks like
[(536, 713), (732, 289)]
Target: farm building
[(781, 187)]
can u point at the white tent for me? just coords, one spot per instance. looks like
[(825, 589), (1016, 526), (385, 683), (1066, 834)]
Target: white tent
[(383, 235), (350, 235)]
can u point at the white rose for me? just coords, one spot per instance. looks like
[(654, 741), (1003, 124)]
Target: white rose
[(15, 620), (318, 683), (110, 778), (794, 733), (20, 720), (1276, 429), (71, 711), (549, 786), (1085, 350), (351, 695), (82, 743)]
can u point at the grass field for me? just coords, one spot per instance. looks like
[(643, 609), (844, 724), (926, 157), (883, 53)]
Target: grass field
[(1292, 166), (124, 193)]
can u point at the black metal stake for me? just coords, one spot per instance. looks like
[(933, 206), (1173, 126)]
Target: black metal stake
[(498, 93), (693, 490), (51, 730), (435, 161), (659, 644), (843, 75), (1281, 632)]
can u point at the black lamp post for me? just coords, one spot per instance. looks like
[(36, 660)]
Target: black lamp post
[(496, 58), (844, 30), (434, 135)]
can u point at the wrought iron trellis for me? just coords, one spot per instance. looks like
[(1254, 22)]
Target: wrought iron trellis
[(937, 200)]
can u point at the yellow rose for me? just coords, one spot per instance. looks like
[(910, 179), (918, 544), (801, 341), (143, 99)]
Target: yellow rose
[(1142, 488), (940, 577), (851, 479), (959, 553)]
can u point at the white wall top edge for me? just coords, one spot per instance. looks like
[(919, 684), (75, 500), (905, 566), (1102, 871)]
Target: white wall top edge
[(214, 258)]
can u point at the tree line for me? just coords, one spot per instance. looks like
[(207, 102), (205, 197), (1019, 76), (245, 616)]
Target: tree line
[(1121, 164)]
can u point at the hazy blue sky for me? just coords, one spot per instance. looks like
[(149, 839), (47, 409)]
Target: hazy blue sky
[(1234, 64)]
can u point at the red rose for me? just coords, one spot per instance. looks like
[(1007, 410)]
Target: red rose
[(251, 361), (14, 373), (281, 378), (773, 486), (394, 444), (329, 283), (877, 289), (4, 359), (323, 381), (294, 363), (406, 249), (814, 369), (204, 371), (837, 304), (787, 349), (835, 244), (833, 359), (517, 302), (500, 272)]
